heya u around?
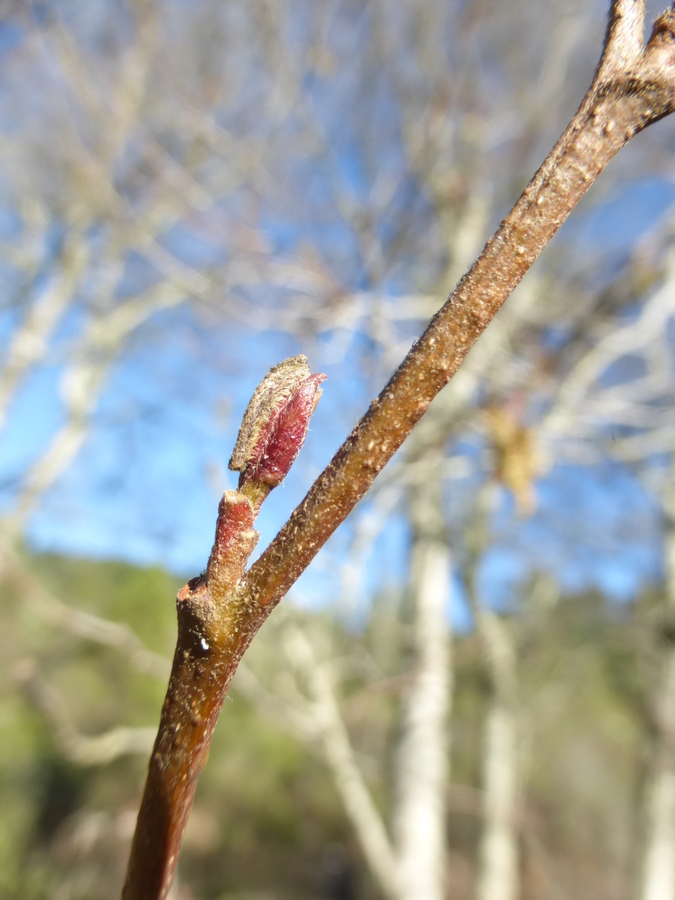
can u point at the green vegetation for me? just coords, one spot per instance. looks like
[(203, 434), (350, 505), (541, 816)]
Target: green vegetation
[(267, 812)]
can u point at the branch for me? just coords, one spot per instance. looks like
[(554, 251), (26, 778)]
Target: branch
[(84, 625), (216, 623), (627, 340), (625, 37), (81, 386), (621, 102), (83, 750), (30, 341), (284, 714), (220, 612)]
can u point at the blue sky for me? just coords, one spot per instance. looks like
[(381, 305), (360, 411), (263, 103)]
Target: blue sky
[(145, 486)]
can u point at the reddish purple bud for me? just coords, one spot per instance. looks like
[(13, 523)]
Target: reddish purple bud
[(276, 422), (234, 543), (289, 433)]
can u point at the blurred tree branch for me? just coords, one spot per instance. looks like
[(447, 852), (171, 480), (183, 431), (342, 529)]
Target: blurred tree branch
[(84, 625), (83, 750), (339, 753)]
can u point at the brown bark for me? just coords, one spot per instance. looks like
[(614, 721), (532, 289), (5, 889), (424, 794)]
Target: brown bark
[(627, 94), (219, 614), (215, 626), (214, 630)]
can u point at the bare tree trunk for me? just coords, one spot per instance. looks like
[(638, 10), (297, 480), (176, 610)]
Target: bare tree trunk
[(658, 865), (423, 751), (658, 874), (498, 876)]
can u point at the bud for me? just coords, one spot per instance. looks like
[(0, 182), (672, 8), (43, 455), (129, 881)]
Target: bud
[(234, 543), (275, 424)]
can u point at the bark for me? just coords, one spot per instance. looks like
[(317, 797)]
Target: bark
[(658, 875), (214, 630), (632, 88), (216, 623), (630, 91), (422, 770), (498, 871)]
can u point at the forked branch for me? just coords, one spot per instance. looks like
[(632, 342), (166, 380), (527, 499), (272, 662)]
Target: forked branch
[(219, 613)]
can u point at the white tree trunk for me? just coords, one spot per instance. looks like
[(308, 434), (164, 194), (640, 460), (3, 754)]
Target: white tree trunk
[(423, 750), (498, 864), (658, 864), (498, 875), (658, 873)]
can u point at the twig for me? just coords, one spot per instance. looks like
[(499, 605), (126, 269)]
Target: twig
[(622, 101), (216, 623), (81, 749), (219, 613)]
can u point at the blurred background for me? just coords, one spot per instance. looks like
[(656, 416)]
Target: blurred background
[(471, 693)]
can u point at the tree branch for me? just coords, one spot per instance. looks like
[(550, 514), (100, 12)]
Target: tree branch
[(624, 40), (81, 749), (82, 624), (621, 102), (215, 625), (219, 613)]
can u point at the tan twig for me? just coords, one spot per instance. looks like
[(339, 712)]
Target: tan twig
[(219, 614), (621, 102)]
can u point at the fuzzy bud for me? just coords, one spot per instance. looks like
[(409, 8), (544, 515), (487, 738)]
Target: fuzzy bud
[(275, 424)]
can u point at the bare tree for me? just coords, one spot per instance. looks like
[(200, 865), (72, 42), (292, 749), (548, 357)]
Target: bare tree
[(635, 407)]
